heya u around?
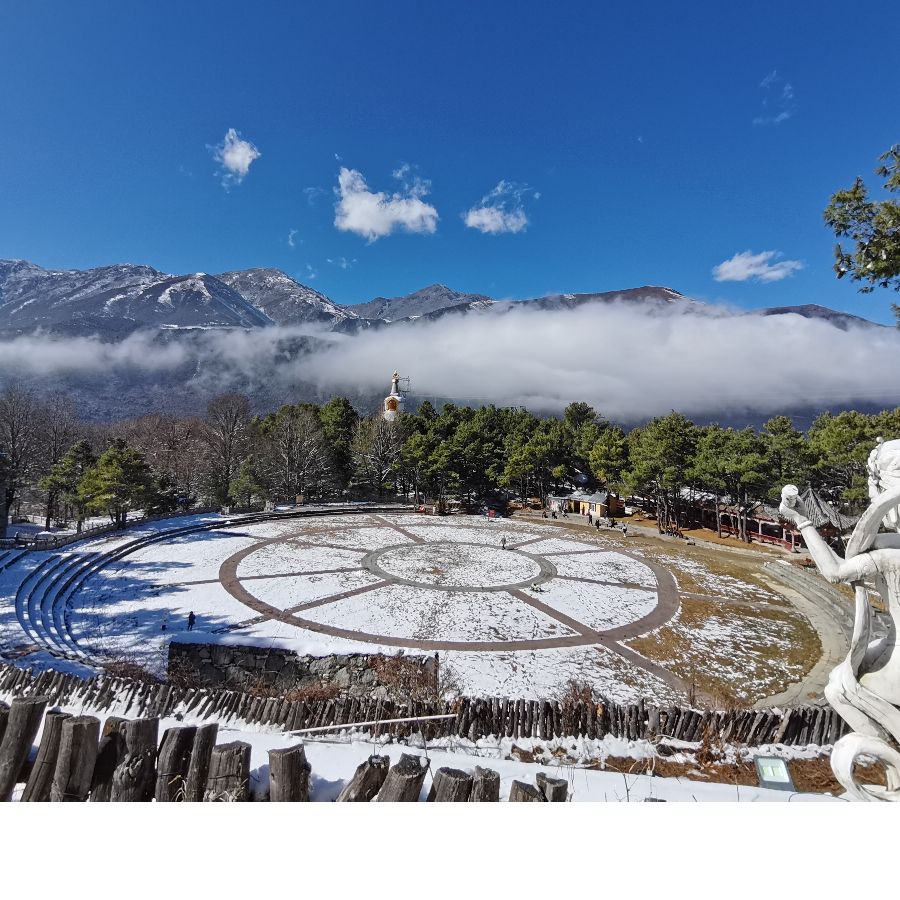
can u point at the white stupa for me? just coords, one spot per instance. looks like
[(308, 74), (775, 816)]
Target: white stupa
[(393, 403)]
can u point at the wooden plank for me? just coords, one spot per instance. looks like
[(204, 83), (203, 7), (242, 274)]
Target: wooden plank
[(75, 761), (134, 779), (25, 714), (37, 789), (173, 764), (229, 774), (367, 781), (4, 719), (450, 786), (404, 781), (555, 790), (289, 775), (201, 755)]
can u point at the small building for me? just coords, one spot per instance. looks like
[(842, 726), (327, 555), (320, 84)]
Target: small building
[(599, 503)]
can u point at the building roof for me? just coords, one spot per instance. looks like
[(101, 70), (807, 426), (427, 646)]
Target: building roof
[(821, 512)]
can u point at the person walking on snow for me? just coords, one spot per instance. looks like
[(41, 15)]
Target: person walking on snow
[(503, 542), (191, 619), (625, 530)]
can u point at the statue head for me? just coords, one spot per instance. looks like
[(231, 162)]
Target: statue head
[(884, 475)]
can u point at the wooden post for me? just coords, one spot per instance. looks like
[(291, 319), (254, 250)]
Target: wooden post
[(37, 790), (229, 774), (25, 716), (110, 755), (485, 786), (525, 793), (289, 775), (367, 780), (555, 790), (173, 764), (76, 758), (4, 719), (450, 786), (201, 754), (404, 781), (135, 777)]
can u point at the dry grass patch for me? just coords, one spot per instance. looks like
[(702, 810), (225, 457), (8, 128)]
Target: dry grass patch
[(733, 651)]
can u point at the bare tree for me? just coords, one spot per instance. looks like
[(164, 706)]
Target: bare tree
[(58, 429), (227, 421), (296, 456), (19, 441), (376, 450)]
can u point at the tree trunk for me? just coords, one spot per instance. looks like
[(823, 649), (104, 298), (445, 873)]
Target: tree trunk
[(201, 755), (135, 777), (173, 764), (485, 786), (450, 786), (229, 774), (525, 793), (110, 755), (555, 790), (404, 781)]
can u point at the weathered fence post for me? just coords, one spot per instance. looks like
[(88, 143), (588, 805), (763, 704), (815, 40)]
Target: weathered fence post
[(525, 793), (485, 786), (198, 771), (75, 761), (4, 719), (450, 786), (556, 790), (229, 774), (135, 777), (110, 755), (289, 775), (366, 781), (173, 763), (37, 790), (404, 781), (25, 716)]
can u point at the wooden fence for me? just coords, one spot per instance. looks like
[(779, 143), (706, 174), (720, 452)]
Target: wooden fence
[(473, 718)]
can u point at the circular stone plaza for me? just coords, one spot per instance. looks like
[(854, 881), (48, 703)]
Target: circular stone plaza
[(513, 608)]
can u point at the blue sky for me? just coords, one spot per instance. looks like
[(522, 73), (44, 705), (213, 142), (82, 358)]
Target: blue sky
[(520, 148)]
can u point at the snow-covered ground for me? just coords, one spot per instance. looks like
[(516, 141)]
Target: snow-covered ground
[(446, 583), (379, 583)]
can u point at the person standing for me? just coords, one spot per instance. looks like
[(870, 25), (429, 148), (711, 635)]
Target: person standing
[(191, 619)]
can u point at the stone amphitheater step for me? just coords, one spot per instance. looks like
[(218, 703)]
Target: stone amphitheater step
[(36, 592), (8, 557), (24, 590), (54, 586)]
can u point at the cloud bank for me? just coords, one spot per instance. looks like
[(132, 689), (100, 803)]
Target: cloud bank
[(234, 156), (374, 215), (749, 267), (500, 211), (707, 366)]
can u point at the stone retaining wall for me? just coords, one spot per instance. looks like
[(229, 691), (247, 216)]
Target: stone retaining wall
[(243, 668)]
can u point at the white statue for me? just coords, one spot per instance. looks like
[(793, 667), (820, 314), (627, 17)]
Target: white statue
[(865, 687)]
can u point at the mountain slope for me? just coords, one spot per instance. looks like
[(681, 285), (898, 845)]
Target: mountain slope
[(114, 301), (840, 320), (285, 301), (419, 303)]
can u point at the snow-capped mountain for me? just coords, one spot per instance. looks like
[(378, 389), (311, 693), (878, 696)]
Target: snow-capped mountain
[(114, 301), (285, 301)]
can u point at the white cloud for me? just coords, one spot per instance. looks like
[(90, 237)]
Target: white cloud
[(779, 103), (291, 234), (748, 266), (500, 211), (234, 156), (374, 215), (343, 263)]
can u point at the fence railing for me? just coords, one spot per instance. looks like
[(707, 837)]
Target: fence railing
[(473, 718)]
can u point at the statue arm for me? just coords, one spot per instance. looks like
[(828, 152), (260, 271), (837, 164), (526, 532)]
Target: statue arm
[(832, 567), (886, 542)]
